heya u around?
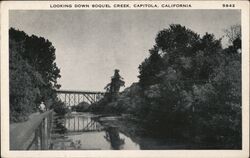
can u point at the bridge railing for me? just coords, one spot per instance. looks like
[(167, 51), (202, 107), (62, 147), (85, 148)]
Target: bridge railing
[(33, 134)]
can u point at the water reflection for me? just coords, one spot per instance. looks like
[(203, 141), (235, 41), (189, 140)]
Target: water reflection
[(84, 132), (82, 123), (112, 136)]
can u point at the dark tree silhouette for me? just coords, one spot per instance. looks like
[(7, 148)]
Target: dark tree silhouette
[(114, 86), (191, 87), (33, 73)]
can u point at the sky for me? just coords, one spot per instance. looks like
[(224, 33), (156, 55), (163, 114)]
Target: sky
[(90, 44)]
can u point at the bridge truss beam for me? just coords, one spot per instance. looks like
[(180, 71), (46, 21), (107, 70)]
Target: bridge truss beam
[(71, 98)]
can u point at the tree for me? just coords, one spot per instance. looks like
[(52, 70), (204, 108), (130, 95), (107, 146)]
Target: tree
[(232, 33), (23, 80), (113, 87), (33, 73), (40, 54), (192, 85), (150, 68)]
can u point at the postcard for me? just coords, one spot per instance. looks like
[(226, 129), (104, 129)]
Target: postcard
[(125, 79)]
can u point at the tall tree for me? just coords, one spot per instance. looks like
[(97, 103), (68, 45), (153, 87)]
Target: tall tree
[(24, 82), (33, 71), (150, 68), (40, 54), (193, 82), (113, 87)]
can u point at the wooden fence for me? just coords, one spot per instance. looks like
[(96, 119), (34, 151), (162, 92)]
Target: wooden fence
[(33, 134)]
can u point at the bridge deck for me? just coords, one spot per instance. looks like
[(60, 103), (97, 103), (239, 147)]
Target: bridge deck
[(79, 92)]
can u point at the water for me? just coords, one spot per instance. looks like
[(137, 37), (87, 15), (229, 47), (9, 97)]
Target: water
[(82, 131)]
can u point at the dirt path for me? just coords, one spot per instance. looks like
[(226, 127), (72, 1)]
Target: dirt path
[(20, 133)]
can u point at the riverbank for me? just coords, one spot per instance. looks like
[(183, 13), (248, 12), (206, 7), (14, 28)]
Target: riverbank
[(128, 126)]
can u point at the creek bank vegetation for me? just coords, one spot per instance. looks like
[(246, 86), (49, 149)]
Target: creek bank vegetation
[(81, 107), (33, 75), (189, 88)]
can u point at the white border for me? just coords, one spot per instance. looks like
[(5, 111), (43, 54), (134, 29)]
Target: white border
[(45, 5)]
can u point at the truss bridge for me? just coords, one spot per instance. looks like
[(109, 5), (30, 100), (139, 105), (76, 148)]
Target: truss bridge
[(72, 98)]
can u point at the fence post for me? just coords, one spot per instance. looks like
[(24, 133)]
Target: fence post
[(45, 132), (41, 127), (36, 139)]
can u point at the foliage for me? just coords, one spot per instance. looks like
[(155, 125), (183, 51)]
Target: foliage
[(23, 91), (189, 88), (192, 88), (111, 103), (81, 107), (113, 87), (149, 68), (232, 33), (59, 107), (33, 74)]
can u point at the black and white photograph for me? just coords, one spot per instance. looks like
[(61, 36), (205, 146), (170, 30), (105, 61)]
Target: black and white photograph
[(125, 79)]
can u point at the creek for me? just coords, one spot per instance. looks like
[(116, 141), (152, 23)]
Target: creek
[(83, 131), (86, 131)]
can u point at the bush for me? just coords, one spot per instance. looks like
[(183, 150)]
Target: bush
[(59, 107), (81, 107), (23, 89)]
